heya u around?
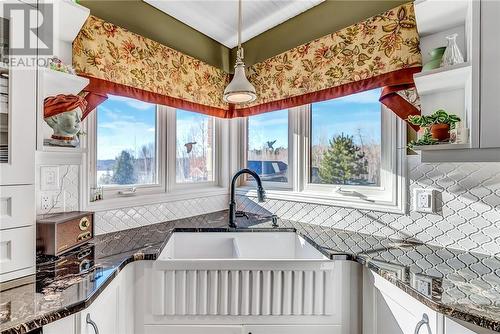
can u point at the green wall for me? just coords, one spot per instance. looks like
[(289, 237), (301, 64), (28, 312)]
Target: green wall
[(143, 19), (325, 18)]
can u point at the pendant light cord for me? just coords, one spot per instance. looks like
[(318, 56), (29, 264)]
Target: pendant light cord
[(240, 19)]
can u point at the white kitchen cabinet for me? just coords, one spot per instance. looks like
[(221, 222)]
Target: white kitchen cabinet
[(67, 325), (490, 74), (17, 148), (17, 253), (469, 90), (196, 329), (102, 316), (18, 113), (113, 310), (280, 329), (389, 310)]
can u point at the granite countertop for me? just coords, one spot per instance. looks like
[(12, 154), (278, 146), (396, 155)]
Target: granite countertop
[(464, 285)]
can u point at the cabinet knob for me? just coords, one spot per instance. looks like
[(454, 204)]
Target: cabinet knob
[(424, 321), (92, 323)]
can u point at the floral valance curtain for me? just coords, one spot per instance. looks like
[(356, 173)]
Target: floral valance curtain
[(382, 51), (120, 62)]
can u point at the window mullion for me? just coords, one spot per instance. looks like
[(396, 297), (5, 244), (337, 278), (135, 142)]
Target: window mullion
[(170, 150)]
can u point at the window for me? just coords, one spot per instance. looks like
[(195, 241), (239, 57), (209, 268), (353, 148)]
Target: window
[(194, 147), (344, 151), (126, 143), (267, 146), (346, 140), (137, 149)]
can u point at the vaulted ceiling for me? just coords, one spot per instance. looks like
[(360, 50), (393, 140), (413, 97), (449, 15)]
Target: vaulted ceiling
[(218, 19), (206, 29)]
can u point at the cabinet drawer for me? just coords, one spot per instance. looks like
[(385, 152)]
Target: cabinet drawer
[(17, 250), (193, 329), (17, 206)]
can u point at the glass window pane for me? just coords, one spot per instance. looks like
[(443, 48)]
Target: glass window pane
[(126, 142), (195, 147), (346, 140), (268, 145)]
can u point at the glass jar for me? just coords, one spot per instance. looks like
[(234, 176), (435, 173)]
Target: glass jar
[(452, 55)]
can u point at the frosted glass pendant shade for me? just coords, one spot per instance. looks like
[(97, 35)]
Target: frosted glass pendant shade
[(239, 90)]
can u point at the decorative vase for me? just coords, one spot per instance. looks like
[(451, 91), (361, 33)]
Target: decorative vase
[(440, 132), (452, 55), (436, 57)]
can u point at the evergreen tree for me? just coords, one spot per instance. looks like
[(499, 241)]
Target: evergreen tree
[(124, 172), (342, 162)]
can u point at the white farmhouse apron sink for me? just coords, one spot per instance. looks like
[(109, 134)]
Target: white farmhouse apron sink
[(239, 246)]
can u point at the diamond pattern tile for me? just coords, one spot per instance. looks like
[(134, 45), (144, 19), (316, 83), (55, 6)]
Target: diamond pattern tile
[(469, 218)]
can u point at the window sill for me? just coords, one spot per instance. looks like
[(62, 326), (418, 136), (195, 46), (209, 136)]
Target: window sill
[(138, 200), (330, 200)]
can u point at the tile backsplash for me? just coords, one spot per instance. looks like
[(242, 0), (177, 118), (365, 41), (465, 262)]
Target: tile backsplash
[(469, 202), (67, 196)]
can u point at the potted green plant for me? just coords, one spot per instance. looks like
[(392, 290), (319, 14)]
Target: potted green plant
[(439, 123)]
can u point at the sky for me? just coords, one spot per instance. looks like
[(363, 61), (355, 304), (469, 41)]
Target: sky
[(124, 124), (353, 114), (127, 124), (329, 118)]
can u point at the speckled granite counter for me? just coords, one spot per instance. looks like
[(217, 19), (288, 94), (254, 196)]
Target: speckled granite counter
[(465, 286)]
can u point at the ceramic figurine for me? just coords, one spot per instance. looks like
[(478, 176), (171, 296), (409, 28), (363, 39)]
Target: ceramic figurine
[(56, 64), (63, 113)]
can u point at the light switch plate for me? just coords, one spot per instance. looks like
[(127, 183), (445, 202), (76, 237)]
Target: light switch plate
[(424, 200), (49, 178)]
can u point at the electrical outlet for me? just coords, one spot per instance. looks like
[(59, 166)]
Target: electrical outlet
[(45, 202), (424, 200), (49, 178)]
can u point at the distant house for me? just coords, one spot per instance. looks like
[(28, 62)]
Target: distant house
[(275, 171)]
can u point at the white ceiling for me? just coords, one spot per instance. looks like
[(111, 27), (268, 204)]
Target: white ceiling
[(218, 18)]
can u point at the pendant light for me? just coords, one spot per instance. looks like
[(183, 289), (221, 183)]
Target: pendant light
[(239, 90)]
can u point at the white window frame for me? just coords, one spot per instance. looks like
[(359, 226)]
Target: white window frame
[(172, 184), (112, 191), (390, 196), (166, 190), (270, 184)]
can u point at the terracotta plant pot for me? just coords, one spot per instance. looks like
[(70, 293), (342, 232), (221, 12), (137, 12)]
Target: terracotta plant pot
[(440, 132)]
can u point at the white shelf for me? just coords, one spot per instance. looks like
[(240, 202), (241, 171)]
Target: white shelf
[(440, 147), (437, 15), (71, 16), (55, 82), (443, 79)]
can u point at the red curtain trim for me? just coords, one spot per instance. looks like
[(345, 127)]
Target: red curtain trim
[(98, 89), (401, 107), (400, 78), (392, 81)]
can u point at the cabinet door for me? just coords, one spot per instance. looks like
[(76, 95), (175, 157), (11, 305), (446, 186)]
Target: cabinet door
[(103, 312), (65, 325), (389, 310), (278, 329), (17, 253), (490, 74), (197, 329), (18, 115)]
